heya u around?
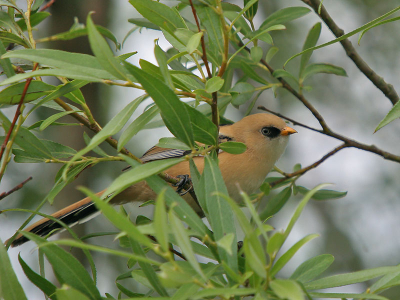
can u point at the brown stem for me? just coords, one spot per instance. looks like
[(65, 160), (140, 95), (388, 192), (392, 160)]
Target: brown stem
[(306, 103), (203, 44), (17, 113), (312, 166), (351, 52), (16, 188), (50, 3), (347, 141)]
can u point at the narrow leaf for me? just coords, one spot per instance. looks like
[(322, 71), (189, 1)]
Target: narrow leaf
[(311, 41), (312, 69), (312, 267), (10, 288), (46, 123), (392, 115)]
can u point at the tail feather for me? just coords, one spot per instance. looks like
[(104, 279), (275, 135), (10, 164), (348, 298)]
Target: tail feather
[(79, 212)]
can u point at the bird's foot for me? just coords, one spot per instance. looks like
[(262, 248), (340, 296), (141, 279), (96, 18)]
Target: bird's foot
[(184, 180)]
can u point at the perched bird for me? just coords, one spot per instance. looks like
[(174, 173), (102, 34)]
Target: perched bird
[(265, 136)]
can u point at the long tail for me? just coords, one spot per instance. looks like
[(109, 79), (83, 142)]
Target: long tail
[(76, 213)]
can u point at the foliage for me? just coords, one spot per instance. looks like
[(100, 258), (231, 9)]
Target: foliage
[(199, 66)]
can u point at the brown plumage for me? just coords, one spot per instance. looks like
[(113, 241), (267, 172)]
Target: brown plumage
[(265, 136)]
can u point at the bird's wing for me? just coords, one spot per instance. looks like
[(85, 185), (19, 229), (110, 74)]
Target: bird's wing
[(157, 153)]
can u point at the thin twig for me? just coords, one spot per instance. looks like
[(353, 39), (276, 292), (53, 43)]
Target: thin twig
[(50, 3), (203, 44), (349, 142), (351, 52), (214, 103), (17, 113), (16, 188), (310, 167)]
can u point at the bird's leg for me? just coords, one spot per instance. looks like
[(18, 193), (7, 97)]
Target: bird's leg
[(184, 180)]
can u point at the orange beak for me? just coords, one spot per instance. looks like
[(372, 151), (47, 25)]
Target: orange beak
[(288, 131)]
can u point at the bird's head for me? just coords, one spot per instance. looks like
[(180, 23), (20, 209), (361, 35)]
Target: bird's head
[(263, 133)]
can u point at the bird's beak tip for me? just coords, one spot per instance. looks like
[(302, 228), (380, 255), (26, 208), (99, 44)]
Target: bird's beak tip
[(288, 131)]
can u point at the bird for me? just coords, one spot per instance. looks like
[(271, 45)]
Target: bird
[(265, 136)]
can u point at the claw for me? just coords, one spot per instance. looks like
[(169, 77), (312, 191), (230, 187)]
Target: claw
[(184, 179)]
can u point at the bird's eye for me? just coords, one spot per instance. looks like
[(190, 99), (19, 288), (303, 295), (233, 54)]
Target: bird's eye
[(270, 131)]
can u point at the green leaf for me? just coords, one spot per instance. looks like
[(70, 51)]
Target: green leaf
[(301, 206), (349, 278), (204, 130), (76, 63), (312, 267), (283, 260), (226, 242), (67, 268), (8, 37), (275, 203), (241, 92), (213, 27), (323, 194), (345, 36), (275, 243), (137, 125), (12, 95), (160, 222), (97, 149), (58, 150), (103, 52), (46, 123), (35, 19), (42, 283), (68, 293), (348, 295), (10, 288), (271, 53), (172, 143), (194, 42), (392, 115), (251, 12), (284, 15), (233, 147), (225, 292), (159, 14), (112, 127), (387, 281), (147, 268), (375, 25), (220, 213), (214, 84), (255, 256), (311, 41), (287, 289), (249, 71), (173, 111), (183, 242), (162, 62), (30, 143), (256, 54), (312, 69), (140, 173), (5, 62), (280, 73), (119, 220)]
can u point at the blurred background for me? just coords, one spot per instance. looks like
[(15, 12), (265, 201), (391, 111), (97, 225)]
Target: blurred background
[(360, 230)]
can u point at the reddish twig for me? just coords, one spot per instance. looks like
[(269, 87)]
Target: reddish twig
[(351, 52), (203, 44), (19, 186), (16, 116), (214, 103), (50, 3)]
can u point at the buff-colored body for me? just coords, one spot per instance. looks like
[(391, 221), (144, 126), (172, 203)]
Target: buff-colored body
[(247, 170)]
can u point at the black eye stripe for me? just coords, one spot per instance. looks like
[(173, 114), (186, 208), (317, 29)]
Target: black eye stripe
[(270, 131)]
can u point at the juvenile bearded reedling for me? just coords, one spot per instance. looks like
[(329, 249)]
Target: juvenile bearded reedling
[(265, 136)]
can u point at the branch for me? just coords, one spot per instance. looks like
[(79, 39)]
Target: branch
[(214, 103), (351, 52), (348, 142), (50, 3), (19, 186), (310, 167)]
